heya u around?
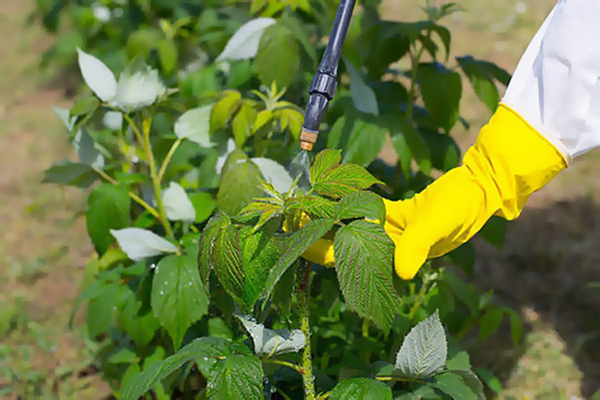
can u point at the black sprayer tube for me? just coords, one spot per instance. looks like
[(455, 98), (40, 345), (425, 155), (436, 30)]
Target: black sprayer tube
[(324, 84)]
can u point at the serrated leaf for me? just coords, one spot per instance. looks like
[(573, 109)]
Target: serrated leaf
[(240, 185), (274, 173), (363, 97), (97, 76), (178, 206), (178, 299), (260, 253), (242, 123), (108, 208), (268, 342), (236, 377), (361, 204), (472, 382), (141, 326), (140, 243), (204, 204), (361, 141), (245, 41), (361, 389), (343, 180), (298, 31), (295, 246), (363, 258), (480, 80), (314, 206), (207, 241), (262, 118), (226, 259), (278, 57), (86, 149), (415, 141), (194, 125), (454, 386), (198, 349), (494, 231), (424, 350), (84, 106), (324, 162)]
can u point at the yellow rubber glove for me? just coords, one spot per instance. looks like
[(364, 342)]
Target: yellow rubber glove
[(508, 162)]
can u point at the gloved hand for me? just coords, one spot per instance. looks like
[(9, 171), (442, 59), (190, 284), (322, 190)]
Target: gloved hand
[(509, 161)]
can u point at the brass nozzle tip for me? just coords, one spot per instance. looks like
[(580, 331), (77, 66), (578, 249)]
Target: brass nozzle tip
[(307, 139)]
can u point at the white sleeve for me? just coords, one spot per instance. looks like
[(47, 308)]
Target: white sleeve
[(556, 85)]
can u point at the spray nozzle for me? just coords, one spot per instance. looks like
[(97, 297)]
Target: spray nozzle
[(323, 85)]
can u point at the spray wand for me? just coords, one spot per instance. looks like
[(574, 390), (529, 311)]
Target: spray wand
[(324, 84)]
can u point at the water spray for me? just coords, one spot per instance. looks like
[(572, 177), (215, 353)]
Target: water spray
[(324, 84)]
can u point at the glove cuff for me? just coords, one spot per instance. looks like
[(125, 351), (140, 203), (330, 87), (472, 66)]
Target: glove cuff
[(511, 160)]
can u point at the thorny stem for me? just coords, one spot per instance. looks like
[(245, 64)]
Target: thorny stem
[(134, 196), (303, 314), (145, 141), (167, 159)]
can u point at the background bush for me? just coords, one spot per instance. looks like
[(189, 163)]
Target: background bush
[(232, 103)]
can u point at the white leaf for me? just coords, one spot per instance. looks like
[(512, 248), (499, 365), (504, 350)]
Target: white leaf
[(177, 204), (87, 151), (269, 342), (244, 42), (363, 97), (140, 243), (139, 86), (97, 76), (194, 125), (113, 120), (424, 350), (223, 157), (274, 173)]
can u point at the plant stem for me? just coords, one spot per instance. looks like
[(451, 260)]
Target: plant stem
[(303, 314), (167, 159), (293, 366), (146, 124), (134, 196), (421, 295), (398, 379), (365, 334)]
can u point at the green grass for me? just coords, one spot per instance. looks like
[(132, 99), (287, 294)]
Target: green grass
[(549, 258)]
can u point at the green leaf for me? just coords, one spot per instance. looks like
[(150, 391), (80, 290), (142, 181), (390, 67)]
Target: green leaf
[(242, 123), (260, 253), (168, 54), (141, 326), (269, 342), (403, 152), (411, 137), (324, 162), (463, 291), (108, 208), (454, 386), (236, 377), (441, 90), (362, 204), (294, 247), (70, 173), (458, 358), (226, 259), (363, 254), (142, 42), (298, 31), (178, 299), (363, 97), (343, 180), (424, 350), (87, 151), (213, 228), (224, 109), (360, 140), (464, 257), (314, 206), (445, 153), (240, 185), (361, 389), (204, 204), (516, 326), (278, 57), (494, 231), (84, 106), (101, 310), (481, 81), (198, 349), (472, 381), (490, 380), (490, 322)]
